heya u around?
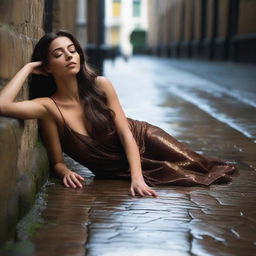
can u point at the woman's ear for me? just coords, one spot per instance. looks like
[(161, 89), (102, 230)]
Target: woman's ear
[(44, 70), (47, 69)]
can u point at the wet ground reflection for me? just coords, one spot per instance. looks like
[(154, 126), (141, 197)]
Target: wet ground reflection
[(219, 220)]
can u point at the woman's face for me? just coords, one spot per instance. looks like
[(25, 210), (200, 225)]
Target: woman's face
[(63, 59)]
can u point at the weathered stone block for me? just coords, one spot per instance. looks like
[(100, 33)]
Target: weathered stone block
[(18, 186), (9, 134), (23, 162)]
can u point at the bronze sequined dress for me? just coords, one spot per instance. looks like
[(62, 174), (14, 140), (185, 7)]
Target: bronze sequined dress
[(164, 160)]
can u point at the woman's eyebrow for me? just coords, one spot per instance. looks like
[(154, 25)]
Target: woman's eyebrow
[(60, 48)]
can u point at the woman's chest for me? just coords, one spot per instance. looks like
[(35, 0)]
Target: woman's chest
[(74, 118)]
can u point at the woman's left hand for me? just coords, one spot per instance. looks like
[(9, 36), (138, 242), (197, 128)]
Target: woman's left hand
[(141, 188)]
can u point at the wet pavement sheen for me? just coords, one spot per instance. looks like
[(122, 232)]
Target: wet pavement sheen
[(102, 219)]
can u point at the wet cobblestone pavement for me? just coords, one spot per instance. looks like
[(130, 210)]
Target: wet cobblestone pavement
[(102, 219)]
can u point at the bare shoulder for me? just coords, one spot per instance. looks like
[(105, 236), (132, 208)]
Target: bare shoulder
[(104, 83), (43, 100), (47, 104), (102, 80)]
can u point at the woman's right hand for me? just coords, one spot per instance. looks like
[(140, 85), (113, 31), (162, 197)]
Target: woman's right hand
[(37, 68), (73, 179)]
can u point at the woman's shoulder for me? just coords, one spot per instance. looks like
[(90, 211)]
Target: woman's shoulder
[(43, 100), (102, 80), (49, 106), (46, 102), (104, 83)]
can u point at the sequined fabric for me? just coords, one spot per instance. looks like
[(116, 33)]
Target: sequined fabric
[(164, 160)]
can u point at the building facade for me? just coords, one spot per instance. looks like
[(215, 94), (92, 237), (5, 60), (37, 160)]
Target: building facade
[(126, 25), (211, 29)]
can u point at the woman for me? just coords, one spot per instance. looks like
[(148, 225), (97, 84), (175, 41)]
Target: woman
[(79, 113)]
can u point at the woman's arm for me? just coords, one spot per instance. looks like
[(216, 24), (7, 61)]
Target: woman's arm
[(28, 109), (138, 184), (50, 135), (35, 109)]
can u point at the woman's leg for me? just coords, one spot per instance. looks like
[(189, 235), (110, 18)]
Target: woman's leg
[(159, 145)]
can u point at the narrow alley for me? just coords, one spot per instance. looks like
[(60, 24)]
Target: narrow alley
[(215, 115)]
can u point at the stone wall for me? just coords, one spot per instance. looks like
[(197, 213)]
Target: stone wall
[(247, 17), (64, 13), (211, 29), (23, 160)]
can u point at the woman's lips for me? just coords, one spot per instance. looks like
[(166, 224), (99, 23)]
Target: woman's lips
[(70, 64)]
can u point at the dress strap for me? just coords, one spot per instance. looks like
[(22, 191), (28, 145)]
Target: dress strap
[(59, 111)]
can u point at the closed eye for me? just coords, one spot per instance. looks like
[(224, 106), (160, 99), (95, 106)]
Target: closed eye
[(59, 51), (58, 55)]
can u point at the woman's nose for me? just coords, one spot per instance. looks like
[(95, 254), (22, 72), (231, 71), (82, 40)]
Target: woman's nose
[(68, 55)]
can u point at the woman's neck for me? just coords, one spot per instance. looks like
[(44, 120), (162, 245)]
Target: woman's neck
[(67, 88)]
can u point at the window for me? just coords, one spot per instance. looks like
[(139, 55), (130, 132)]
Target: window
[(116, 8), (136, 7), (115, 36)]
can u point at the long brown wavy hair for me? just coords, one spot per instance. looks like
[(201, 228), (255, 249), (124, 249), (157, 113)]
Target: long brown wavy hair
[(97, 112)]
